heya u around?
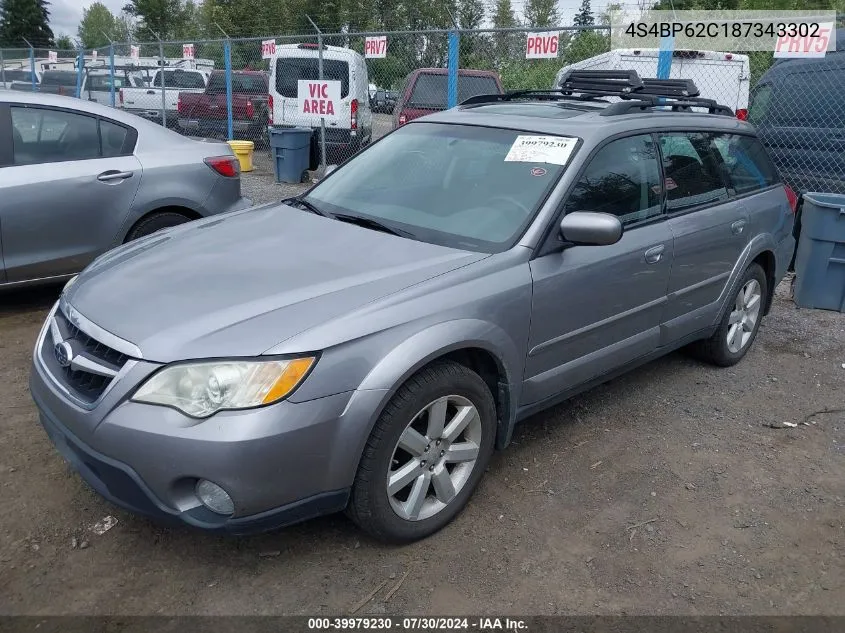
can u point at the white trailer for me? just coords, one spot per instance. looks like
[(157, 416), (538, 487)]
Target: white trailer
[(724, 77)]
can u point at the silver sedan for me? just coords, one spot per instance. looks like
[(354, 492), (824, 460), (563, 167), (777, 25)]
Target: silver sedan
[(78, 178)]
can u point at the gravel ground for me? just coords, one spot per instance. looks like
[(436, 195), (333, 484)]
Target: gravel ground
[(666, 491)]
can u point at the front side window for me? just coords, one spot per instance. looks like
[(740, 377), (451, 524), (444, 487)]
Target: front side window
[(746, 162), (692, 170), (42, 136), (444, 184), (759, 106), (622, 179)]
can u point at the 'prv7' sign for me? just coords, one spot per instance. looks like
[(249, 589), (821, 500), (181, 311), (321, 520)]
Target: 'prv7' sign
[(375, 47), (541, 45), (814, 42)]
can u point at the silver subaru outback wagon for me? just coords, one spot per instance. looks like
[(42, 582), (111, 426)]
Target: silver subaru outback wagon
[(368, 345)]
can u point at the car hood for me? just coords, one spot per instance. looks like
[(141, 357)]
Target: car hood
[(238, 285)]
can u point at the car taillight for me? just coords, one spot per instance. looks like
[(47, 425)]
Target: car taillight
[(742, 114), (353, 110), (250, 110), (224, 165), (402, 119), (121, 96), (270, 109), (792, 197)]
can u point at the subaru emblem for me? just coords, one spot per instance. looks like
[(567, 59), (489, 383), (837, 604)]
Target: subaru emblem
[(64, 353)]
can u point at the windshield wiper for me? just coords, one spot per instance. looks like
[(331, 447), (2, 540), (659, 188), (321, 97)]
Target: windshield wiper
[(372, 224), (308, 206)]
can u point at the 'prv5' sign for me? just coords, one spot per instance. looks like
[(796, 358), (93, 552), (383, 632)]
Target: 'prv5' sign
[(318, 99), (813, 41), (541, 45), (375, 47)]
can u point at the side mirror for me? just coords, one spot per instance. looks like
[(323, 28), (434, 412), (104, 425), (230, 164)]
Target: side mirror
[(591, 229)]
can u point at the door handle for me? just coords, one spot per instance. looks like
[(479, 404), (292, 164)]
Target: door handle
[(738, 227), (653, 255), (112, 176)]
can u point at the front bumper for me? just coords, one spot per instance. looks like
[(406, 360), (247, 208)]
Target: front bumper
[(281, 464)]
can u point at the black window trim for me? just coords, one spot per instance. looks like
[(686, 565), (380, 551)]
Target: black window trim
[(6, 136)]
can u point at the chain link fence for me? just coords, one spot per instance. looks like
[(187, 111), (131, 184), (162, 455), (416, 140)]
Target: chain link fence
[(241, 89)]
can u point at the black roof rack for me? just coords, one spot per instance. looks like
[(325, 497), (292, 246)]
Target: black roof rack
[(637, 94)]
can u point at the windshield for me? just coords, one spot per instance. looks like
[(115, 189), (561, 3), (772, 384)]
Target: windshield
[(430, 91), (241, 83), (445, 184), (180, 79), (16, 75)]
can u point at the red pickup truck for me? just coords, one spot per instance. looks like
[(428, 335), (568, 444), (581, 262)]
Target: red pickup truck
[(205, 113)]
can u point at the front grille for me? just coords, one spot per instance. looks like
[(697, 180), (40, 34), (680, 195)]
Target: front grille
[(93, 364)]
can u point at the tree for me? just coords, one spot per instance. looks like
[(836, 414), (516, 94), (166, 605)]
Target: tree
[(25, 19), (542, 13), (584, 17), (506, 44), (163, 17), (98, 25), (65, 43)]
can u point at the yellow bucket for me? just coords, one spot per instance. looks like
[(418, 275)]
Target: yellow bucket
[(243, 151)]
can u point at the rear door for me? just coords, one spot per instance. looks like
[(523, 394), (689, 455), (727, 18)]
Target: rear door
[(66, 188), (289, 70), (709, 226), (719, 79)]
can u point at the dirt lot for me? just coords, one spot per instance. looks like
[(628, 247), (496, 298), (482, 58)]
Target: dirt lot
[(663, 492)]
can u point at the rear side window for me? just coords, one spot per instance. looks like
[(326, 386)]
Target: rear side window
[(691, 167), (622, 179), (431, 91), (759, 106), (180, 79), (748, 166), (289, 70), (58, 78), (41, 135)]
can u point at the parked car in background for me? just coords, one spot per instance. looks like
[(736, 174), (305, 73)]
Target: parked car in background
[(56, 82), (426, 91), (384, 101), (205, 113), (723, 77), (78, 178), (351, 126), (20, 75), (367, 345), (146, 101), (798, 108)]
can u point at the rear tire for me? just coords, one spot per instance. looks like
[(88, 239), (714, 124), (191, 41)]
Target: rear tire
[(740, 323), (156, 222), (436, 435)]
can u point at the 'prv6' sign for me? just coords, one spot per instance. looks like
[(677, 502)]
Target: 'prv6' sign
[(541, 45)]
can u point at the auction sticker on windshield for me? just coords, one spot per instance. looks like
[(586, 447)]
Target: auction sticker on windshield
[(554, 150)]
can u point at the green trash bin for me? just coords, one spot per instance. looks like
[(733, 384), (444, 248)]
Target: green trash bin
[(820, 261)]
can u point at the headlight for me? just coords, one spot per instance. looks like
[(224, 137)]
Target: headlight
[(202, 389)]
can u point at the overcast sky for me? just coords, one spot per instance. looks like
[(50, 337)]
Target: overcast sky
[(66, 14)]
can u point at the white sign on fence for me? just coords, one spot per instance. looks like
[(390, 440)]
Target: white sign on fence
[(816, 45), (52, 56), (268, 49), (94, 54), (318, 99), (187, 51), (135, 52), (376, 47), (541, 45)]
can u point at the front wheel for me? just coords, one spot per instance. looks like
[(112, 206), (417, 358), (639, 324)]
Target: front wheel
[(739, 326), (426, 454)]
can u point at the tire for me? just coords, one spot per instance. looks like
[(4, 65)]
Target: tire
[(372, 506), (717, 349), (156, 222)]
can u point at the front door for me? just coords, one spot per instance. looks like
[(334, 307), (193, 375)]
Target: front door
[(596, 308), (66, 193)]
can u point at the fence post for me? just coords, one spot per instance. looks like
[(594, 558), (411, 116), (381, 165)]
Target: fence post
[(32, 67), (454, 45), (163, 84), (227, 55), (111, 73), (320, 77), (664, 57), (2, 69), (80, 69)]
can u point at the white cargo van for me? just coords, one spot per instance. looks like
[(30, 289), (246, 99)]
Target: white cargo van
[(350, 126), (725, 77)]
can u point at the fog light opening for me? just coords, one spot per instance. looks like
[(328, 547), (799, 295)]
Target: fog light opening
[(214, 497)]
